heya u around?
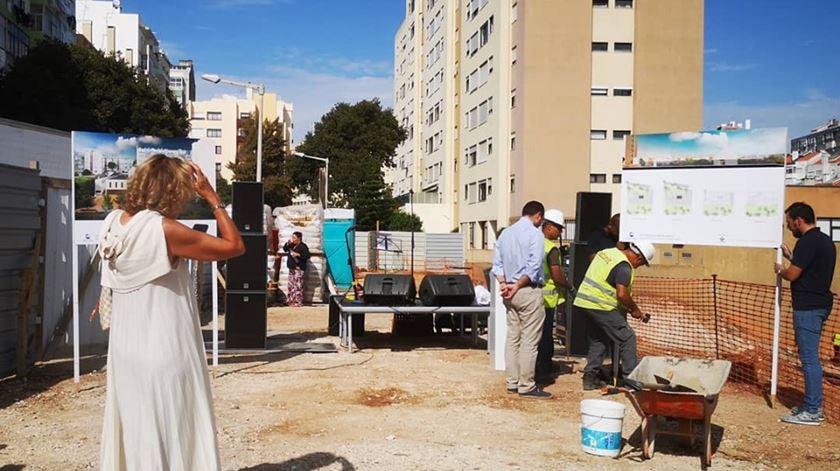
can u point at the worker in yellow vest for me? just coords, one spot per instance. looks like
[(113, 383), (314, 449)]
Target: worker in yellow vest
[(554, 289), (605, 294)]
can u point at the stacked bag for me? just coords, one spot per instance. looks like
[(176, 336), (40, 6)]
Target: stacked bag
[(309, 221)]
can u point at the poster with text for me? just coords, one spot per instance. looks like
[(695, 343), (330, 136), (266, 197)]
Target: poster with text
[(103, 164)]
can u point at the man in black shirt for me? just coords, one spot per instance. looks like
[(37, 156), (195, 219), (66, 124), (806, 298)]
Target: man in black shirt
[(810, 273), (604, 238)]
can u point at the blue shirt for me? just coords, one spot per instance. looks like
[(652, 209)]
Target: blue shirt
[(519, 251)]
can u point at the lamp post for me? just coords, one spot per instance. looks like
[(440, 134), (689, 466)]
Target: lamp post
[(326, 161), (260, 89)]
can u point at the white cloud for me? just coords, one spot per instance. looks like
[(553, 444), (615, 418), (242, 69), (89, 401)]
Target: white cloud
[(724, 67), (150, 140), (311, 92), (125, 143), (798, 116), (712, 50), (683, 136)]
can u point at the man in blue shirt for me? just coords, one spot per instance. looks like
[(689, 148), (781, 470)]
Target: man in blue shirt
[(810, 273), (517, 266)]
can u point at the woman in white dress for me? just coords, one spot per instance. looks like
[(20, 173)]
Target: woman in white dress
[(158, 406)]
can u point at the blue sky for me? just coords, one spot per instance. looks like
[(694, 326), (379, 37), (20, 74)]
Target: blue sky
[(773, 61)]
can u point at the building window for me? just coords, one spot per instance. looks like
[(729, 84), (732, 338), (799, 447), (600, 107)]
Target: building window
[(198, 116), (512, 184), (513, 98), (473, 193), (619, 135), (616, 178), (513, 55), (597, 134), (513, 141), (214, 133), (600, 91), (597, 178), (600, 46), (623, 47), (482, 190), (218, 167), (214, 116), (466, 192), (601, 3), (624, 3), (830, 227), (472, 235), (218, 150), (622, 92), (514, 12)]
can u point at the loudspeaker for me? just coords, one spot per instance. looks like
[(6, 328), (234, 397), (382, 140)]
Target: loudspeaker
[(593, 212), (577, 322), (245, 319), (389, 290), (248, 272), (248, 207), (358, 320), (447, 290)]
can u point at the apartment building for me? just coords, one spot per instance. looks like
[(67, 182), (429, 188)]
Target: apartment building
[(221, 120), (182, 82), (543, 95), (24, 22), (123, 35)]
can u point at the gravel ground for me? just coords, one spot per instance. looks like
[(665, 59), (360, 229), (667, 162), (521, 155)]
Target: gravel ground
[(410, 404)]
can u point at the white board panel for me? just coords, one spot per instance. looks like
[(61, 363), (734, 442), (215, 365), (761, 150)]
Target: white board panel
[(718, 206)]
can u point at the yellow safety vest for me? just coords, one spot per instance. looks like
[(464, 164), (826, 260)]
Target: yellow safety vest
[(595, 292), (553, 297)]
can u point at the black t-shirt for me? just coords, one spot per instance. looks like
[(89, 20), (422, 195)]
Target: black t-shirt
[(296, 262), (815, 254), (598, 241)]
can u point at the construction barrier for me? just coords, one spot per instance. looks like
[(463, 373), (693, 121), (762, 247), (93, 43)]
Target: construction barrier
[(720, 319)]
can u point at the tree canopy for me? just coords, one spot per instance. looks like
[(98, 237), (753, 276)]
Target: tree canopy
[(75, 87)]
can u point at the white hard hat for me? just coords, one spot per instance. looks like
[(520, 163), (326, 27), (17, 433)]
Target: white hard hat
[(555, 216), (645, 249)]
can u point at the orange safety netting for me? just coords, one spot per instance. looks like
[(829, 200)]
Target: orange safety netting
[(714, 318)]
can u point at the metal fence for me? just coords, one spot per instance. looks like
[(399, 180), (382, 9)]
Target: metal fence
[(713, 318)]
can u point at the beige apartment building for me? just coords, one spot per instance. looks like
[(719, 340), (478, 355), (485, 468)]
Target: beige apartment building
[(220, 120), (541, 96)]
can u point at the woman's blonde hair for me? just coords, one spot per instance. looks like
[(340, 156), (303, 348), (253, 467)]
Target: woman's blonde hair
[(163, 184)]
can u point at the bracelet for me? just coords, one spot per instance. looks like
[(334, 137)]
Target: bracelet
[(218, 206)]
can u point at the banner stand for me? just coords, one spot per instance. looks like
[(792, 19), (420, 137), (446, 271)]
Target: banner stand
[(777, 314)]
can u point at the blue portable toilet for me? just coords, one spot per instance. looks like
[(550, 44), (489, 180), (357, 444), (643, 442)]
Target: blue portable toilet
[(340, 244)]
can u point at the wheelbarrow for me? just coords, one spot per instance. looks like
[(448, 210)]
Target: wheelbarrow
[(683, 389)]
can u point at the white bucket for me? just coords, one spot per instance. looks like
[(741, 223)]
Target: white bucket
[(600, 427)]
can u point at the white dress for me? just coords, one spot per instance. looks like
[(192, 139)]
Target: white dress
[(158, 406)]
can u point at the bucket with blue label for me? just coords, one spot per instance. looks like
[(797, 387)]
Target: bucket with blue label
[(600, 427)]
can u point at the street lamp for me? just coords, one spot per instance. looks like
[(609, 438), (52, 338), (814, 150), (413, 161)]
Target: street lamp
[(260, 89), (326, 160)]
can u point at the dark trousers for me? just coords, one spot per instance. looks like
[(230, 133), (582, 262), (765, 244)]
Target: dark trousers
[(545, 349), (608, 327)]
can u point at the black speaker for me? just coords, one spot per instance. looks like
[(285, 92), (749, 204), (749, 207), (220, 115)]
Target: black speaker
[(358, 320), (248, 272), (248, 207), (245, 319), (389, 290), (593, 212), (577, 322), (447, 290)]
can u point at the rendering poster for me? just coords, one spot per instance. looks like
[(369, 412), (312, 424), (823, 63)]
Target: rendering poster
[(103, 163), (720, 188)]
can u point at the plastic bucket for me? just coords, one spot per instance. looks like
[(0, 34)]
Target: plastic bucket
[(600, 427)]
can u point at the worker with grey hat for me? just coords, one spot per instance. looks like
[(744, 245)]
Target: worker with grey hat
[(554, 289), (605, 294)]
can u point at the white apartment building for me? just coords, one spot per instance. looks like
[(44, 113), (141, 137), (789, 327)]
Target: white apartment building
[(182, 82), (541, 95), (220, 120), (123, 35)]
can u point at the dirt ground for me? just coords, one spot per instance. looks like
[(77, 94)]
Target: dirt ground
[(429, 403)]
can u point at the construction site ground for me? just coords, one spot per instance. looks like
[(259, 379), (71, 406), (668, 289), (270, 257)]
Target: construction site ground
[(424, 403)]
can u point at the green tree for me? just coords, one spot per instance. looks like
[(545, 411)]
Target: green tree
[(403, 221), (360, 140), (75, 87), (276, 183), (373, 202), (223, 189), (84, 189)]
